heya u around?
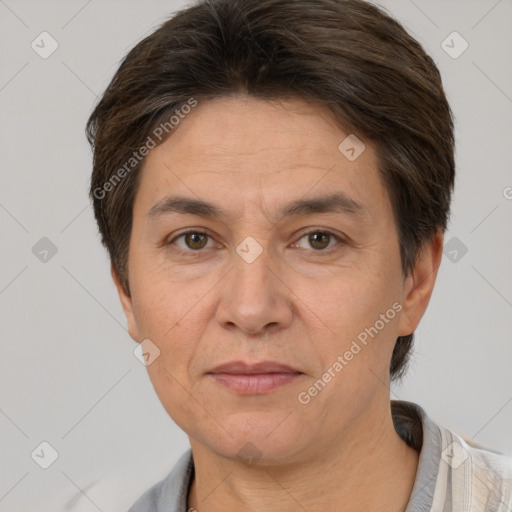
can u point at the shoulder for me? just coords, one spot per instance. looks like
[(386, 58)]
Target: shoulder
[(148, 501), (483, 475), (453, 473)]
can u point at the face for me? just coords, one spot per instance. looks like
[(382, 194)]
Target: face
[(294, 261)]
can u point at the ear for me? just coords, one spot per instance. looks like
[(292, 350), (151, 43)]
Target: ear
[(420, 283), (126, 303)]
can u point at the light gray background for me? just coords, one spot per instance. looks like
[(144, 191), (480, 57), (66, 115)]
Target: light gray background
[(67, 372)]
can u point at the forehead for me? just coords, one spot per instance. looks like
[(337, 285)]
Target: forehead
[(244, 128), (241, 149)]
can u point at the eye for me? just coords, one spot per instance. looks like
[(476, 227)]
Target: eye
[(193, 241), (319, 240)]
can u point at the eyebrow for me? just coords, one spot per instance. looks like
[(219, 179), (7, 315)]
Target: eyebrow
[(333, 203)]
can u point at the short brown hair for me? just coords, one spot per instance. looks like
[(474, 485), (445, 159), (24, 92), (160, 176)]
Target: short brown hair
[(346, 54)]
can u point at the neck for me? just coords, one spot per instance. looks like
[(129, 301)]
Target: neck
[(370, 457)]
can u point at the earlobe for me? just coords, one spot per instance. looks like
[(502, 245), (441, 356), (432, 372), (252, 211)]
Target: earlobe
[(419, 284), (126, 303)]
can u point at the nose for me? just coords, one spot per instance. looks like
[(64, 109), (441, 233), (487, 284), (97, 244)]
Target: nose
[(254, 300)]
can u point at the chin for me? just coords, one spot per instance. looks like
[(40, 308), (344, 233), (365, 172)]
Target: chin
[(260, 439)]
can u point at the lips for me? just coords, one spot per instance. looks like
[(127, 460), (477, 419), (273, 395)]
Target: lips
[(241, 368), (254, 379)]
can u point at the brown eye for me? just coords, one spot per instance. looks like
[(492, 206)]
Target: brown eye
[(195, 240), (191, 241), (319, 240)]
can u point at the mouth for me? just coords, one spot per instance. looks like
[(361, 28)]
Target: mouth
[(254, 379)]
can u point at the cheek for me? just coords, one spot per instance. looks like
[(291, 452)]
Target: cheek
[(357, 299), (361, 310), (174, 322), (162, 304), (175, 316)]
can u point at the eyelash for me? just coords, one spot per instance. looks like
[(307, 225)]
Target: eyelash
[(195, 253)]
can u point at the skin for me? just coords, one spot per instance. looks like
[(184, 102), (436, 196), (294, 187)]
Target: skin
[(294, 304)]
